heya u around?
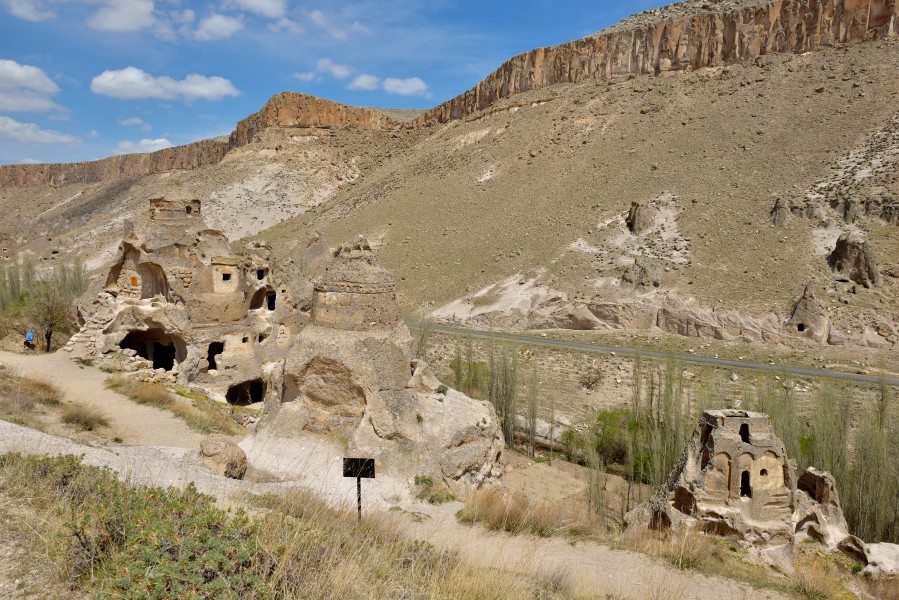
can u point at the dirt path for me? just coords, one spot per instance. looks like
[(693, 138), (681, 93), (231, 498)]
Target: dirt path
[(134, 424)]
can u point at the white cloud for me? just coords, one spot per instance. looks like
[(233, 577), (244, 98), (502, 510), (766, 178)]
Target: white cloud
[(137, 122), (272, 9), (306, 75), (286, 25), (29, 161), (365, 82), (25, 88), (29, 10), (144, 145), (131, 83), (412, 86), (93, 134), (123, 15), (325, 65), (216, 27), (30, 133), (319, 18)]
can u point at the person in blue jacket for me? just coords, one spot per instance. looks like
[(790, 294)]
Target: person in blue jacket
[(29, 340)]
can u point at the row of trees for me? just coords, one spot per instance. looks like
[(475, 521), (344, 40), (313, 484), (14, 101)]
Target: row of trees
[(41, 299)]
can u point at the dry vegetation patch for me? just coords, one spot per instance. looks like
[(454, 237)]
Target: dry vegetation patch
[(199, 413)]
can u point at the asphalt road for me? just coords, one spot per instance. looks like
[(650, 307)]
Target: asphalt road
[(538, 340)]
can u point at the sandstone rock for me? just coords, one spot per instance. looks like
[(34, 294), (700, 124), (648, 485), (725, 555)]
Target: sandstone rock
[(882, 559), (853, 259), (780, 214), (733, 478), (2, 366), (223, 456), (640, 218), (818, 512), (643, 275), (809, 319), (423, 379)]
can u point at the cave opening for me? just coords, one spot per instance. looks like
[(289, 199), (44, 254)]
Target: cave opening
[(163, 350), (246, 393), (215, 349), (745, 488)]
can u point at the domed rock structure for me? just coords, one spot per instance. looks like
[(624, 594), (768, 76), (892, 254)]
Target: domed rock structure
[(350, 372)]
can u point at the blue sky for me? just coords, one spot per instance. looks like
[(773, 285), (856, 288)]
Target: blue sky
[(85, 79)]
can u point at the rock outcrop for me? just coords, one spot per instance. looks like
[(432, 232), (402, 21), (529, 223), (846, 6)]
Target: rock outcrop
[(180, 158), (642, 275), (681, 37), (809, 319), (853, 259), (640, 218), (292, 109), (780, 213)]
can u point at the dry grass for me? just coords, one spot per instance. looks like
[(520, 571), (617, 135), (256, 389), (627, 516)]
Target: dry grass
[(818, 578), (883, 589), (84, 417), (515, 513), (198, 413), (297, 546), (21, 399)]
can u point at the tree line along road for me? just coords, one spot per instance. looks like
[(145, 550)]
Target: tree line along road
[(708, 360)]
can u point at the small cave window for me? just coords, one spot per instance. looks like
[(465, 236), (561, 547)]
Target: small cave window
[(801, 327), (248, 392), (245, 340), (215, 349), (763, 473), (263, 337), (745, 488), (189, 209), (260, 274), (744, 432), (226, 276), (270, 299)]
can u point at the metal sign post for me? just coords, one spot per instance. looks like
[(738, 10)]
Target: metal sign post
[(359, 468)]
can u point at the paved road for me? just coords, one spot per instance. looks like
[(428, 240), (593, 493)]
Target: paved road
[(537, 340)]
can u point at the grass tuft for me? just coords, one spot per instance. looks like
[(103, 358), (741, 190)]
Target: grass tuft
[(84, 417)]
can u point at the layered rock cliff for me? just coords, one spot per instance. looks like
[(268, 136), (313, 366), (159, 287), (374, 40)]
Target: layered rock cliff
[(179, 158), (289, 109), (292, 109), (683, 36)]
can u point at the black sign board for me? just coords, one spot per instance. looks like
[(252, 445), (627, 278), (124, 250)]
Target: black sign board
[(359, 467)]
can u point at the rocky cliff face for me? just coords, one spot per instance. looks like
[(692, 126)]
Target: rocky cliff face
[(179, 158), (288, 109), (291, 109), (681, 37)]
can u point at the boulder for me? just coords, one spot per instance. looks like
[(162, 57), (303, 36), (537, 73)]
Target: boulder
[(818, 513), (640, 218), (853, 259), (222, 456)]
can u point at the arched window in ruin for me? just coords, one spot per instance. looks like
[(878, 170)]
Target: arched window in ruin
[(270, 298), (215, 350), (745, 487), (161, 349), (744, 432), (153, 281)]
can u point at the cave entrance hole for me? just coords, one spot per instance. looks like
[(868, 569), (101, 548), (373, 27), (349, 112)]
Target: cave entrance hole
[(745, 488), (157, 346), (744, 432), (215, 350), (246, 393)]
